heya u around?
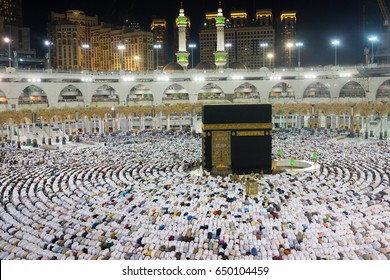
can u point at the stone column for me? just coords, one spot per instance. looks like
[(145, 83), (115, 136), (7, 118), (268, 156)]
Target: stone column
[(331, 121), (168, 122), (101, 126), (306, 121), (82, 126), (273, 121)]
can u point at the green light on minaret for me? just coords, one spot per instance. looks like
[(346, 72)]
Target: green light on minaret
[(220, 20), (220, 57), (181, 20), (182, 58)]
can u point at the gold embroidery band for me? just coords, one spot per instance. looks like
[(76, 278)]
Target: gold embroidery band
[(237, 126), (253, 133)]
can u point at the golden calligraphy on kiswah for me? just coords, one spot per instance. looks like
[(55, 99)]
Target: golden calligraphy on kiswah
[(237, 126)]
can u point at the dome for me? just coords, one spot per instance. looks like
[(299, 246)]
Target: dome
[(205, 66), (173, 67), (237, 66)]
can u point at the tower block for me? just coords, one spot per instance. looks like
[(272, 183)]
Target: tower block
[(220, 55), (182, 54)]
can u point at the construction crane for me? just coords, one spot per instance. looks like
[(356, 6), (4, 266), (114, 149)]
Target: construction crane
[(386, 16), (385, 11)]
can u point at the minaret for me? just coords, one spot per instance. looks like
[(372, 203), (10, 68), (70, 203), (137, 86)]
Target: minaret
[(182, 54), (220, 54)]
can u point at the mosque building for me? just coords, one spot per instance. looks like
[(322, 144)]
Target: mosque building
[(108, 165)]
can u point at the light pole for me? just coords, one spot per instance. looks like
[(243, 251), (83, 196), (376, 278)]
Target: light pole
[(270, 56), (263, 46), (113, 117), (227, 46), (121, 48), (2, 134), (48, 44), (8, 41), (335, 43), (85, 47), (289, 46), (157, 47), (372, 39), (136, 59), (192, 47), (299, 45)]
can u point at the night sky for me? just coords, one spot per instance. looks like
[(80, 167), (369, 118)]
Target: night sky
[(318, 22)]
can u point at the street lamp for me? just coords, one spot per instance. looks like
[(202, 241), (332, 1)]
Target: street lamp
[(48, 44), (263, 45), (335, 43), (136, 59), (113, 117), (228, 46), (372, 39), (121, 48), (2, 134), (8, 41), (299, 45), (192, 47), (157, 47), (270, 56), (289, 46), (85, 47)]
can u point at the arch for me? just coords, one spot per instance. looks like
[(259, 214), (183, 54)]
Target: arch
[(33, 95), (316, 90), (105, 93), (140, 92), (26, 120), (352, 89), (3, 98), (70, 93), (383, 91), (282, 90), (246, 90), (54, 118), (175, 92), (211, 91)]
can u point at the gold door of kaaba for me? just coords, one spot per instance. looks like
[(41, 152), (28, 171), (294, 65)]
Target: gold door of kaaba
[(221, 152)]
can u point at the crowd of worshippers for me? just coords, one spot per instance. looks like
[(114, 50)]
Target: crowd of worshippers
[(133, 196)]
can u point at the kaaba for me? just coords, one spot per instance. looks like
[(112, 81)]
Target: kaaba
[(237, 139)]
